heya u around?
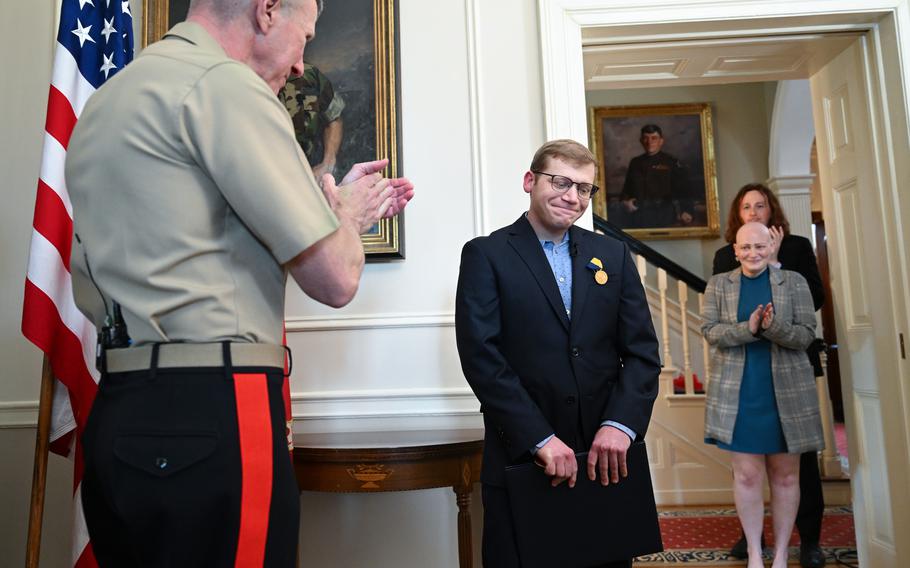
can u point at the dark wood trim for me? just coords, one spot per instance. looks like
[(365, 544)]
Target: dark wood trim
[(400, 466)]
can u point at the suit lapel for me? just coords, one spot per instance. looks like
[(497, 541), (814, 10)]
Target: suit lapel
[(523, 239), (582, 277)]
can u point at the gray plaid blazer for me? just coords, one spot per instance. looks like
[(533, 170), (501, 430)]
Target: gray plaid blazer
[(790, 333)]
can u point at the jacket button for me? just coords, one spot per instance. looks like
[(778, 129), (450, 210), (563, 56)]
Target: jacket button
[(570, 400), (575, 352)]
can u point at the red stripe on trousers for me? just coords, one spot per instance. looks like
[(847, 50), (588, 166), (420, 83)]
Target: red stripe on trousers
[(60, 117), (255, 428), (286, 393), (53, 221)]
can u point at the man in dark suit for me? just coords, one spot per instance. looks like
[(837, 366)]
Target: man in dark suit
[(555, 338)]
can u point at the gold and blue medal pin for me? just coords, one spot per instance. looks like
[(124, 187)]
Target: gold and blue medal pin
[(600, 276)]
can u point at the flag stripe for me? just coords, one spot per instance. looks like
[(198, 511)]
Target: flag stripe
[(87, 558), (47, 273), (63, 348), (60, 117), (53, 222), (69, 82), (52, 170), (62, 441), (63, 423), (80, 530)]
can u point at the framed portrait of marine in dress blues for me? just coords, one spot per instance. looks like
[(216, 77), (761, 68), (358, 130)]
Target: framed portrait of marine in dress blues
[(656, 169), (345, 107)]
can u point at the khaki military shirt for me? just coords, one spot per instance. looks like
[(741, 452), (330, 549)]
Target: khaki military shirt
[(189, 195)]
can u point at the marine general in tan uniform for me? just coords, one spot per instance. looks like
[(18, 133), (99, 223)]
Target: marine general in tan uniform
[(192, 202)]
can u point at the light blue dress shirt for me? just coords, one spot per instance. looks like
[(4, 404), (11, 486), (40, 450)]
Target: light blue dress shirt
[(561, 263)]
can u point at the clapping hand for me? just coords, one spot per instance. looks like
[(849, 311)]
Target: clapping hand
[(402, 189), (767, 316), (777, 236), (763, 316), (366, 196)]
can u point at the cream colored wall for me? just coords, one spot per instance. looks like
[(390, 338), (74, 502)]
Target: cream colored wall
[(741, 116), (26, 30), (386, 361), (27, 37)]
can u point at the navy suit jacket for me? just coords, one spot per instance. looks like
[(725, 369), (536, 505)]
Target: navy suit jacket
[(533, 369)]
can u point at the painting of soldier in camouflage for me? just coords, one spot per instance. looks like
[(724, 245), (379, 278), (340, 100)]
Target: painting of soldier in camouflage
[(333, 104), (315, 109)]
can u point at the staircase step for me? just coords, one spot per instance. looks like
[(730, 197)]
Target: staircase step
[(837, 491)]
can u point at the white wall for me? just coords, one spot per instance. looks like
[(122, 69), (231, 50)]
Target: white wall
[(27, 34), (26, 43), (472, 118), (741, 115)]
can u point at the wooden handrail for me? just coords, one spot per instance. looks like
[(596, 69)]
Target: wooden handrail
[(654, 257)]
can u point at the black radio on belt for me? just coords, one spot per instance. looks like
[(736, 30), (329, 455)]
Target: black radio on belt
[(113, 335)]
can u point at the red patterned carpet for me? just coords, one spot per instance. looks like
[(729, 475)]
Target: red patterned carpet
[(704, 536)]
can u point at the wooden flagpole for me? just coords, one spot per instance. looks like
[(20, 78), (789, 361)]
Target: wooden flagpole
[(39, 473)]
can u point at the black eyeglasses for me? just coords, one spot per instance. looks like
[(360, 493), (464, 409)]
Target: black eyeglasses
[(562, 184)]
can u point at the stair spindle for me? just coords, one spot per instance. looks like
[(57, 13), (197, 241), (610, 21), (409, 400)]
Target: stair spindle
[(683, 291), (664, 322), (642, 264)]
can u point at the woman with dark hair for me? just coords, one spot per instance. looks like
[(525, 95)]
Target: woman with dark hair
[(755, 202)]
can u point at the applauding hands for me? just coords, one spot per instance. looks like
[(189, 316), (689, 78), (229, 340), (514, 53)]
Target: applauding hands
[(365, 196), (761, 317)]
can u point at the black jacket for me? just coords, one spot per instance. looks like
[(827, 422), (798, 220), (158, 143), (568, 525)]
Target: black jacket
[(536, 372)]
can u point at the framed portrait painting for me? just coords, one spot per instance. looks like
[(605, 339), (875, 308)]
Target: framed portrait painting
[(656, 169), (345, 106)]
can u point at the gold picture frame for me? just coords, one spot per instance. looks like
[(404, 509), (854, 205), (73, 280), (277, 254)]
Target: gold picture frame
[(367, 78), (670, 193)]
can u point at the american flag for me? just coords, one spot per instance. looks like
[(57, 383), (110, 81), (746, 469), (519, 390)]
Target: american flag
[(94, 41)]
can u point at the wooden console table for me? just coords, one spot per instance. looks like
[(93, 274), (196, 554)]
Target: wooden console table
[(394, 461)]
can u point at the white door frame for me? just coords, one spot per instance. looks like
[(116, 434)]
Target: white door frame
[(561, 23)]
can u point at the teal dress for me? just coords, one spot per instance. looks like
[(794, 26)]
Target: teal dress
[(757, 429)]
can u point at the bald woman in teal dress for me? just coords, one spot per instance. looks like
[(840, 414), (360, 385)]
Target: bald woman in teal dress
[(761, 403)]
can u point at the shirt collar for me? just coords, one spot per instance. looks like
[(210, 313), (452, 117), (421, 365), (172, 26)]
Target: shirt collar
[(197, 35), (560, 244)]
